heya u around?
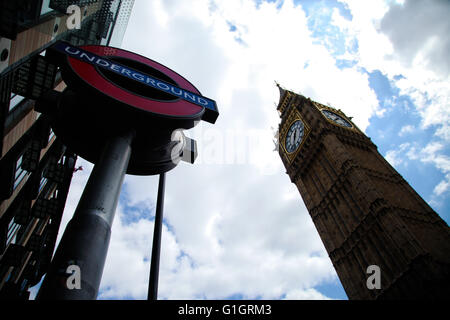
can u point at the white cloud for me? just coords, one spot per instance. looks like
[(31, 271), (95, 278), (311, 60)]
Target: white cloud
[(238, 73), (407, 129), (232, 247), (396, 156), (216, 245), (418, 31), (128, 259), (443, 186), (408, 38), (309, 294), (433, 153), (392, 158), (229, 228)]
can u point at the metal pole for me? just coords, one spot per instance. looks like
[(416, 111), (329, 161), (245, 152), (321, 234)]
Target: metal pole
[(156, 247), (85, 242)]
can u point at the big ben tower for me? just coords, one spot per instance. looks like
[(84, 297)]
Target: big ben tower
[(383, 239)]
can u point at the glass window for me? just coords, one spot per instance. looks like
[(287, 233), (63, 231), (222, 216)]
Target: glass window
[(52, 134), (45, 7), (20, 173), (54, 194), (12, 232), (15, 100), (24, 283), (42, 183)]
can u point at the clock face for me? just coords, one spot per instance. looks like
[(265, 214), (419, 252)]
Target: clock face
[(294, 136), (336, 118)]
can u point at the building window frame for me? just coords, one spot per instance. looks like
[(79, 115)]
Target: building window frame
[(15, 100), (13, 229), (19, 173), (42, 183), (51, 135), (45, 8)]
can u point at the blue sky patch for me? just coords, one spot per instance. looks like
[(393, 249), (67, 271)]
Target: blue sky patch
[(333, 290)]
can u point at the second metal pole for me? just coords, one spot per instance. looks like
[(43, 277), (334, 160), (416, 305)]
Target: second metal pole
[(156, 247)]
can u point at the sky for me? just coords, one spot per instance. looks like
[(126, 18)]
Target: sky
[(235, 227)]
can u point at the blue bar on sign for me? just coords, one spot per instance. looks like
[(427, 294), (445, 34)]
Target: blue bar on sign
[(130, 73)]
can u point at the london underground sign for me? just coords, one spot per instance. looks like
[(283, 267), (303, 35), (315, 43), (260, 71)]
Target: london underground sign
[(110, 90), (120, 111), (89, 62)]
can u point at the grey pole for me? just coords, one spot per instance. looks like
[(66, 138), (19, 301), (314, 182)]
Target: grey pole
[(156, 247), (86, 239)]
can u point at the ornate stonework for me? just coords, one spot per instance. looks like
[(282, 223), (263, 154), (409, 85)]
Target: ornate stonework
[(365, 212)]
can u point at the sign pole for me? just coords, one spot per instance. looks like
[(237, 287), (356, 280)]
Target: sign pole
[(156, 247), (77, 266), (104, 94)]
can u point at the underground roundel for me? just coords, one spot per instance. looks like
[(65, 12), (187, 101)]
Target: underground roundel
[(135, 81)]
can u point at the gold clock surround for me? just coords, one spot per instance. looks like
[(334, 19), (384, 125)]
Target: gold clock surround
[(293, 116), (321, 107)]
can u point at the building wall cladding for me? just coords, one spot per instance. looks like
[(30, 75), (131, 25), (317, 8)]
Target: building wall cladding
[(365, 212), (35, 167)]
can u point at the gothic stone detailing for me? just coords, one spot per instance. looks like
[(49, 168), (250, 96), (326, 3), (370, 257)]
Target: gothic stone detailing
[(366, 213)]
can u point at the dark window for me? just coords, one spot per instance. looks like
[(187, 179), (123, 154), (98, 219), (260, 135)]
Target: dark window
[(15, 100), (20, 173), (13, 228)]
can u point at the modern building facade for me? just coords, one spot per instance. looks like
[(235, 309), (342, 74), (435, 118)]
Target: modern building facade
[(35, 167), (372, 223)]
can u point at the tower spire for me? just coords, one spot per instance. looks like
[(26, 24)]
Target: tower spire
[(282, 90), (282, 94)]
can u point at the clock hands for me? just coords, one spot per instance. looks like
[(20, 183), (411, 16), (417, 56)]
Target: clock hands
[(336, 118), (294, 136)]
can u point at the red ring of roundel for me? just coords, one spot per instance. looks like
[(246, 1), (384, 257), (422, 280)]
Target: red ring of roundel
[(89, 74)]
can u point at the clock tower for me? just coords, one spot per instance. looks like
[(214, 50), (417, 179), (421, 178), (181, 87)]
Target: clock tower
[(383, 239)]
